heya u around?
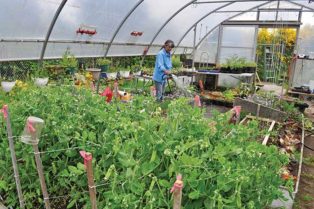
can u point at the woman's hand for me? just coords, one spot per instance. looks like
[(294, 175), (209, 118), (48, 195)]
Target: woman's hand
[(167, 72)]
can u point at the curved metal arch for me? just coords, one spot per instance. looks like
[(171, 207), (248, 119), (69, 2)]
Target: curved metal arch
[(197, 45), (301, 5), (165, 23), (54, 20), (121, 24), (211, 12)]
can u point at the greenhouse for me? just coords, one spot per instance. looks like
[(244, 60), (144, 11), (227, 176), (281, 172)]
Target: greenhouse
[(143, 104)]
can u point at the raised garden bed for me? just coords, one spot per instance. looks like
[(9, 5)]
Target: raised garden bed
[(289, 140), (260, 110), (146, 148)]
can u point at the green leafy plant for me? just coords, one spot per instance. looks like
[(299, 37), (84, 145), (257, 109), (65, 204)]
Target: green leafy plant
[(135, 68), (137, 152), (68, 60), (103, 61), (41, 73), (148, 71), (113, 69), (236, 63), (251, 64), (176, 63), (229, 95)]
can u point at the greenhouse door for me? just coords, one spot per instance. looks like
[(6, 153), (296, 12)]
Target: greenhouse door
[(236, 41), (275, 47)]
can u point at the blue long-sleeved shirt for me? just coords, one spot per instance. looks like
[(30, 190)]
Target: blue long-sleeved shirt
[(163, 62)]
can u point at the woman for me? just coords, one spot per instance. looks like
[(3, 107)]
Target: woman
[(163, 66)]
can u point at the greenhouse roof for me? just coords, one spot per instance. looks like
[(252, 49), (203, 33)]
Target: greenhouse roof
[(31, 29)]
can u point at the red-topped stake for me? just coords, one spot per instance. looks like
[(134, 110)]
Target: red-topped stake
[(177, 192), (90, 177)]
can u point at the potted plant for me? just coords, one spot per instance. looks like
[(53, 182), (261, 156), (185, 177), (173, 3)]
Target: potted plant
[(41, 77), (224, 68), (148, 71), (112, 72), (176, 63), (8, 81), (136, 70), (103, 63), (69, 62), (234, 64), (7, 84), (95, 72), (251, 67), (125, 72)]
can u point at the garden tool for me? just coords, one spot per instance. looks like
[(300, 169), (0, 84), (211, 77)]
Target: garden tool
[(124, 96)]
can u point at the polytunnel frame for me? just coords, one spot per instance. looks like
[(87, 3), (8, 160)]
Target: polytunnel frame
[(301, 5), (61, 6), (206, 35), (59, 10), (228, 2), (121, 24), (152, 41), (163, 25), (54, 20), (229, 18)]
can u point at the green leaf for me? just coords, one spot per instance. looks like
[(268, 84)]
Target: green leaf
[(190, 161), (127, 162), (71, 204), (74, 170), (81, 166), (137, 187), (91, 136), (164, 183), (3, 185), (194, 195), (147, 168)]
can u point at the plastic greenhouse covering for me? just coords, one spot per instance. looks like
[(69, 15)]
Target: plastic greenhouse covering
[(191, 24)]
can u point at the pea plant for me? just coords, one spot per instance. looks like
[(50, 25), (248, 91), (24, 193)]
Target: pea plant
[(138, 148)]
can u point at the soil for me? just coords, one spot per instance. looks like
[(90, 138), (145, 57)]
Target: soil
[(305, 196)]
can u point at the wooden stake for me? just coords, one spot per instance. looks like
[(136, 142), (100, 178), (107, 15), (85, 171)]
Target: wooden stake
[(40, 171), (177, 192), (258, 109), (90, 178), (269, 130), (177, 197), (13, 156)]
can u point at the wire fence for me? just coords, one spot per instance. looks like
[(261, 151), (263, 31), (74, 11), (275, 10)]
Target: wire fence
[(16, 70)]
